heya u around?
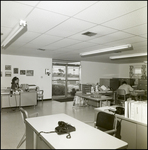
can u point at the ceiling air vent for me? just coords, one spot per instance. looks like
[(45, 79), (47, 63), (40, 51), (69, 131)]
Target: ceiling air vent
[(89, 33), (41, 49)]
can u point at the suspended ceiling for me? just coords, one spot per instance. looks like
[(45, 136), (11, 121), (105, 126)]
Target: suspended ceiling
[(58, 27)]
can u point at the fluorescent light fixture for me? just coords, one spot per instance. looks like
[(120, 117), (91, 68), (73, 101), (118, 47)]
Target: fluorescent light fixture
[(15, 34), (111, 49), (128, 56)]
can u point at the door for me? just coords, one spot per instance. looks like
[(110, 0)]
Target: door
[(65, 80)]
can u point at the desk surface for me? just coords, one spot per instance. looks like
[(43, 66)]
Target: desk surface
[(85, 136), (94, 98)]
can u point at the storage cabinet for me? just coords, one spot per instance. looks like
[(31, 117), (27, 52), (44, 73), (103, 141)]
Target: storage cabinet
[(86, 88), (141, 137), (128, 133), (24, 99), (113, 84), (128, 80)]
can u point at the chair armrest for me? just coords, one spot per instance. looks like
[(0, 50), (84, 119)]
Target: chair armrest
[(111, 131), (34, 114), (95, 124)]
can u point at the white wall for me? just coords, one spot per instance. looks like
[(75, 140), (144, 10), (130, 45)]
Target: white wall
[(91, 72), (28, 63)]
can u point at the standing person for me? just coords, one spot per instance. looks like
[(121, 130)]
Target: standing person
[(128, 89)]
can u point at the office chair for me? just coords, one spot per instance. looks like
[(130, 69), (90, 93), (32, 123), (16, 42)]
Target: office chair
[(121, 96), (24, 115), (40, 95), (106, 122)]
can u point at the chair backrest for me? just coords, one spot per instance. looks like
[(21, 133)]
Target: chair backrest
[(121, 92), (105, 120), (40, 91), (24, 114)]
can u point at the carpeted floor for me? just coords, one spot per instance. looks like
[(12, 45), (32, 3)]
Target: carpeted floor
[(64, 100)]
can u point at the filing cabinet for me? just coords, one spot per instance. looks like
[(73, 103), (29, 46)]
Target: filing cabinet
[(113, 83), (86, 88)]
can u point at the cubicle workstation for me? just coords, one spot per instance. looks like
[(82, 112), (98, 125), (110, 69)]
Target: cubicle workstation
[(23, 97), (132, 130)]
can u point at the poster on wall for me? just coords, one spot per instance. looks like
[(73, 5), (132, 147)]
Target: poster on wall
[(7, 67), (7, 74), (22, 72), (29, 72), (15, 70)]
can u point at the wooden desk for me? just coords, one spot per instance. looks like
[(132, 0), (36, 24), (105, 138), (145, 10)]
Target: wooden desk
[(85, 136), (98, 100)]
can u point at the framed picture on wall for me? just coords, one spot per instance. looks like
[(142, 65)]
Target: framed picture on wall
[(29, 72), (7, 67), (22, 72), (15, 70), (7, 74)]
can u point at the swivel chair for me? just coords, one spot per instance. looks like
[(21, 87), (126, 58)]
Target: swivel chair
[(106, 122), (24, 115), (121, 96)]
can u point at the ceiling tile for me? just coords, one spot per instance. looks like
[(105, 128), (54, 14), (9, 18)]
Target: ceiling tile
[(31, 3), (70, 27), (81, 45), (25, 38), (130, 20), (68, 8), (43, 40), (141, 29), (111, 37), (5, 32), (100, 30), (140, 44), (108, 10), (144, 35), (131, 40), (61, 43), (41, 21), (12, 13)]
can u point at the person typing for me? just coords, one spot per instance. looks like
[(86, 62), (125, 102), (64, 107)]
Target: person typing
[(128, 89)]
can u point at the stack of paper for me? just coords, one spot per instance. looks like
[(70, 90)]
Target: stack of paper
[(136, 110)]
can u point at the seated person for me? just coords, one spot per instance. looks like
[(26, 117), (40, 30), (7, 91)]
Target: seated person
[(14, 85), (128, 89)]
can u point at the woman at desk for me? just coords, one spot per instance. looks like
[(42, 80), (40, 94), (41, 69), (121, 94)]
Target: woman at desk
[(15, 84)]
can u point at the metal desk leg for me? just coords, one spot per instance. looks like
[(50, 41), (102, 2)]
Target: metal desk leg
[(100, 104), (29, 137)]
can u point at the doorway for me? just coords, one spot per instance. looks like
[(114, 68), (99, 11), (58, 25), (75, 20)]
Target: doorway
[(65, 80)]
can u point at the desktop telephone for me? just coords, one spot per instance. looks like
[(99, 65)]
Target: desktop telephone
[(63, 128)]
